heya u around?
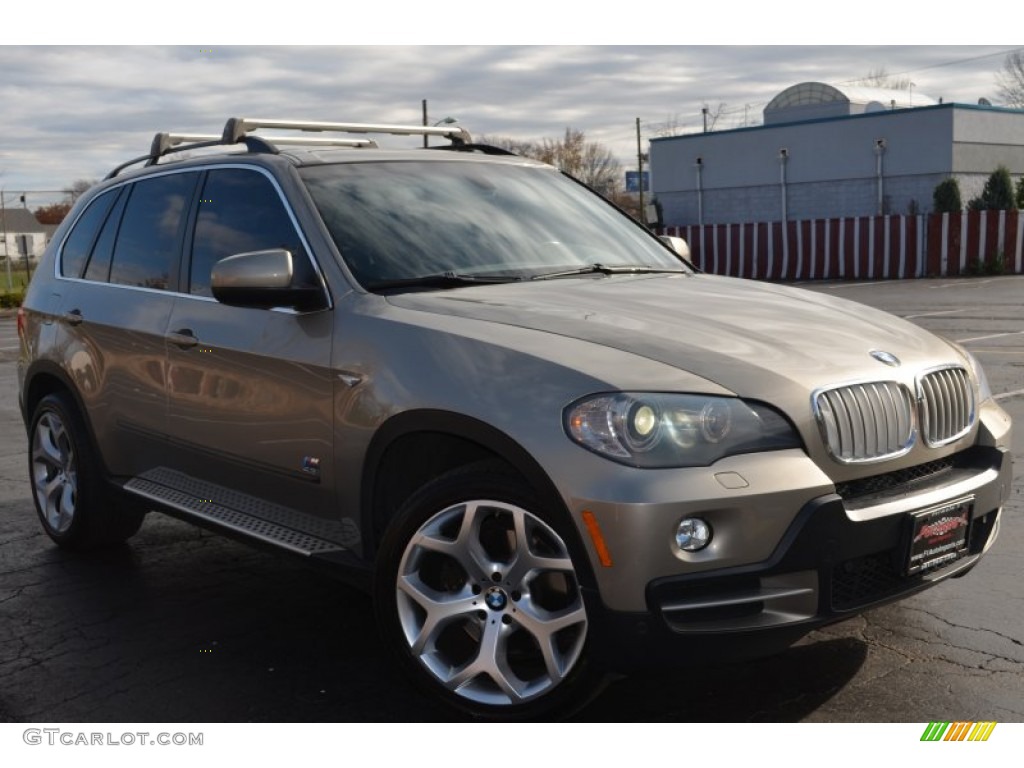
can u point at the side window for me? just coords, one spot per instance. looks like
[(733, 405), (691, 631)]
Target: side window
[(80, 241), (103, 251), (150, 234), (239, 211)]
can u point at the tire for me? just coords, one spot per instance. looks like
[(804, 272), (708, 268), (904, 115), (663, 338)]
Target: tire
[(478, 596), (74, 506)]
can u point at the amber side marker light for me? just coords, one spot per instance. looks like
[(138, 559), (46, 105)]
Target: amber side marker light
[(598, 538)]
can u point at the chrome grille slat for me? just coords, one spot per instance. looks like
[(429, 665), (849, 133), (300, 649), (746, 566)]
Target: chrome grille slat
[(947, 405), (866, 422), (872, 421)]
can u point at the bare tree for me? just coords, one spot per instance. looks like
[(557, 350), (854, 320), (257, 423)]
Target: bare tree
[(523, 147), (589, 161), (712, 115), (78, 188), (1011, 79), (880, 78), (671, 127)]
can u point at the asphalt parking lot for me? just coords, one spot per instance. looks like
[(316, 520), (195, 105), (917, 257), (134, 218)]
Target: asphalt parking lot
[(182, 625)]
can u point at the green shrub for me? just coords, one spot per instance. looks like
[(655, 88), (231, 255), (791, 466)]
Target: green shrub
[(946, 197), (987, 267), (998, 194), (11, 299)]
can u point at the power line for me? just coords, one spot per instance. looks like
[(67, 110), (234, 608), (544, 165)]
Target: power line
[(941, 64)]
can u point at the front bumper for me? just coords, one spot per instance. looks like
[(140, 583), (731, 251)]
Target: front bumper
[(837, 557)]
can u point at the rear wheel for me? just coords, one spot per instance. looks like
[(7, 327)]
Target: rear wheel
[(479, 596), (73, 506)]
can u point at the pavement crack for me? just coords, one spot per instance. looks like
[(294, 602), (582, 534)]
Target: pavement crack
[(953, 624)]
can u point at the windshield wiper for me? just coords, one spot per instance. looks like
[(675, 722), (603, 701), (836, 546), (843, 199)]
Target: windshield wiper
[(589, 269), (440, 280)]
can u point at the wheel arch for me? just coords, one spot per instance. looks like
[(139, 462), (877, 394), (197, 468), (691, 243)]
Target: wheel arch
[(44, 378), (449, 440)]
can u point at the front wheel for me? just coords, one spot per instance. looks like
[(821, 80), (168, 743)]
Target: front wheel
[(478, 595)]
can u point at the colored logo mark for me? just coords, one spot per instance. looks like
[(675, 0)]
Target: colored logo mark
[(958, 731)]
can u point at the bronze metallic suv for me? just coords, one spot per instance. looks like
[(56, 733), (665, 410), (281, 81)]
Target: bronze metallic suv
[(556, 447)]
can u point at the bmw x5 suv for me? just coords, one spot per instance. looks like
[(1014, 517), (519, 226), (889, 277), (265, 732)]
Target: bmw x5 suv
[(555, 448)]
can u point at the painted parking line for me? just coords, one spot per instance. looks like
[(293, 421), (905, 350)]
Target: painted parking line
[(935, 314), (1008, 395), (854, 284), (958, 284), (990, 336)]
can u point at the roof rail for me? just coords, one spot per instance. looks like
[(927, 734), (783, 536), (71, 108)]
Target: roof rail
[(238, 127), (165, 143), (237, 131)]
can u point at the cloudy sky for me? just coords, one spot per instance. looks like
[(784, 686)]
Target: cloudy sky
[(72, 112)]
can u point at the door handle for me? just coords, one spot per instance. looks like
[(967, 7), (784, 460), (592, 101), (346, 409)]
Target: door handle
[(73, 317), (182, 338)]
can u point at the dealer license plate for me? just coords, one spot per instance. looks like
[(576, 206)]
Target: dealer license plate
[(939, 535)]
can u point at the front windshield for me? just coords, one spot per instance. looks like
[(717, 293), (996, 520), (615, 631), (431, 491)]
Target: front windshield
[(401, 220)]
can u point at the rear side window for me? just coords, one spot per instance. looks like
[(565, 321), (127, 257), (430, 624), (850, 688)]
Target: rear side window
[(148, 241), (103, 251), (239, 211), (79, 243)]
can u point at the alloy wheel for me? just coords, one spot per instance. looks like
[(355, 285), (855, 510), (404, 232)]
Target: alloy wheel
[(54, 471), (489, 604)]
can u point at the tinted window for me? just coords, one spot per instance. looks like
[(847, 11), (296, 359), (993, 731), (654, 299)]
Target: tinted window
[(79, 242), (148, 241), (239, 211), (99, 263)]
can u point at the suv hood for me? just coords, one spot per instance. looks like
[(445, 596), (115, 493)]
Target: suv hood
[(748, 337)]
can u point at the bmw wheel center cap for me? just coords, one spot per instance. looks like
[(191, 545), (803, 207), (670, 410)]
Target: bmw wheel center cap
[(496, 599)]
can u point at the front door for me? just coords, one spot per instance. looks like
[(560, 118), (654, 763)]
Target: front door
[(250, 390)]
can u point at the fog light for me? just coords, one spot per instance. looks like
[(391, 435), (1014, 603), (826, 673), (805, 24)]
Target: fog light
[(693, 534)]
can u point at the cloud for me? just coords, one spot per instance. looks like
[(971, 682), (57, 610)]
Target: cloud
[(75, 112)]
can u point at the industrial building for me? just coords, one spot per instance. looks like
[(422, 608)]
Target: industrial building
[(826, 152)]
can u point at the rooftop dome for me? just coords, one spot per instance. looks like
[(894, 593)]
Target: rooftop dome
[(808, 101)]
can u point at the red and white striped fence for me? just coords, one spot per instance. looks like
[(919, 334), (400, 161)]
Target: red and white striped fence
[(861, 248)]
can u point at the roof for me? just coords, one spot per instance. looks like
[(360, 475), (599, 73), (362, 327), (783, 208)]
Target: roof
[(21, 220)]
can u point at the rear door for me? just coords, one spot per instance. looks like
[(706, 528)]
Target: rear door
[(123, 263)]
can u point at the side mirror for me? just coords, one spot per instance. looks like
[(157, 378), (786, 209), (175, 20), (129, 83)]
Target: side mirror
[(262, 279), (677, 244)]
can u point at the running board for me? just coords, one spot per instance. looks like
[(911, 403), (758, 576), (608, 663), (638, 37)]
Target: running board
[(270, 523)]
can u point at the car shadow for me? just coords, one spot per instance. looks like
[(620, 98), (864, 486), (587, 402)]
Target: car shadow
[(181, 625), (783, 688)]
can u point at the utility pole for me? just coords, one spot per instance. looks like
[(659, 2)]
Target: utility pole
[(640, 174), (7, 258), (425, 123)]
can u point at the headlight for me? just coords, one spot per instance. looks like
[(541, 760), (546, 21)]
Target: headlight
[(665, 430)]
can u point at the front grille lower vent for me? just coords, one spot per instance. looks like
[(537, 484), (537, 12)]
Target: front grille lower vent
[(947, 405), (900, 480), (866, 422)]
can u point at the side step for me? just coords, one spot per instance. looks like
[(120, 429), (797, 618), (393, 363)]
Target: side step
[(270, 523)]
